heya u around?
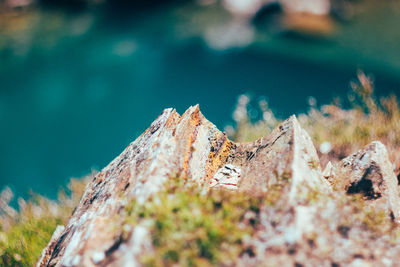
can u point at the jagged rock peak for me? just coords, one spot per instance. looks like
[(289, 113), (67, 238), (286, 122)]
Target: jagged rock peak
[(369, 172), (191, 147)]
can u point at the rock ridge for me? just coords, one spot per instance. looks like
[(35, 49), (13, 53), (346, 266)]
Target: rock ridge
[(191, 147)]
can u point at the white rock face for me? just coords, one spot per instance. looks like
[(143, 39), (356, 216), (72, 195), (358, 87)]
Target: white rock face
[(328, 171), (227, 177)]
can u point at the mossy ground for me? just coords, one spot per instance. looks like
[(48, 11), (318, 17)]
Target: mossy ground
[(192, 227)]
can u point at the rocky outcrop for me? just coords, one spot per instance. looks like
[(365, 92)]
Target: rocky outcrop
[(370, 173), (192, 148)]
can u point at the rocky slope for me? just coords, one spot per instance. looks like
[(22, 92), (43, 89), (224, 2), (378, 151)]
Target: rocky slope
[(346, 214)]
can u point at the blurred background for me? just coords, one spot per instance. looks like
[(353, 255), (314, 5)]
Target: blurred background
[(81, 79)]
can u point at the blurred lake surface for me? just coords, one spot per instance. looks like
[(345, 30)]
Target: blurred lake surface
[(77, 87)]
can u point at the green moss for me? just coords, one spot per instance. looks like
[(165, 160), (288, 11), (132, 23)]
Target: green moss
[(190, 227), (313, 164), (274, 194), (313, 196), (376, 222)]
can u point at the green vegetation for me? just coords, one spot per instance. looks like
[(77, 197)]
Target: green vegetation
[(25, 233), (25, 240), (192, 227), (189, 226), (358, 213)]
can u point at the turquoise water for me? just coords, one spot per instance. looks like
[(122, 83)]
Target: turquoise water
[(77, 104)]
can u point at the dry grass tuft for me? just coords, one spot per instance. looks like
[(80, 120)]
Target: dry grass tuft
[(24, 233)]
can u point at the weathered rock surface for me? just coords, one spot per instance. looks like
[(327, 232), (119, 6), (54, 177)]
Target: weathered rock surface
[(191, 147), (370, 173), (334, 231)]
